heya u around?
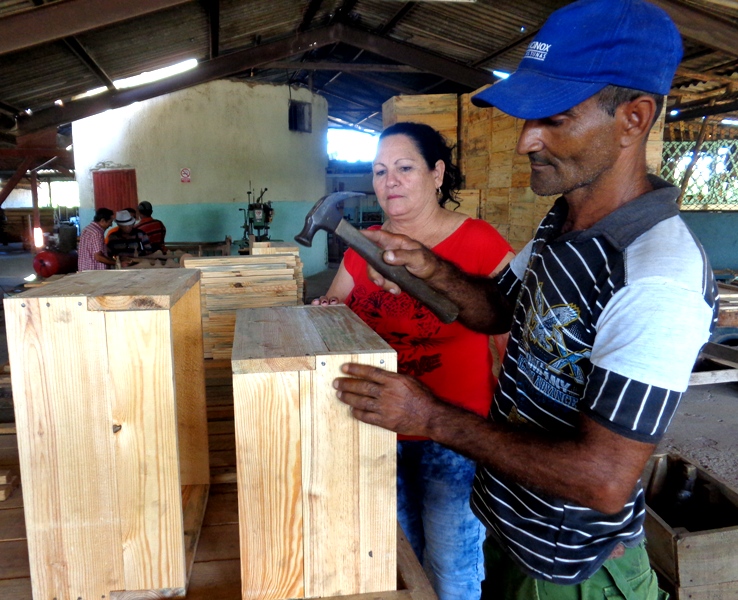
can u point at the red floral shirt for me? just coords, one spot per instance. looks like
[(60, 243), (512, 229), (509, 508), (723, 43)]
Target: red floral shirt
[(453, 361)]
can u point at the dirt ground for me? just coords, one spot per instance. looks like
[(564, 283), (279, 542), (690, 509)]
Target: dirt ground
[(705, 430)]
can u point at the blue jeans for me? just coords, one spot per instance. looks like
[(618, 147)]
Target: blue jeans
[(433, 489)]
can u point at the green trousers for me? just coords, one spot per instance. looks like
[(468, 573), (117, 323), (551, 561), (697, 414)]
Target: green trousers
[(629, 577)]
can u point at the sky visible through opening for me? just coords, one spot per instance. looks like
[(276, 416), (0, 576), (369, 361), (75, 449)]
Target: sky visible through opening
[(351, 146)]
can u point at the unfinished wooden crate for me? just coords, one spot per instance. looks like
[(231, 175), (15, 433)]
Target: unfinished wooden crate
[(317, 488), (693, 546), (235, 282), (108, 384)]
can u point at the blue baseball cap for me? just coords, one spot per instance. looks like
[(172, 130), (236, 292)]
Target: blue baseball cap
[(584, 47)]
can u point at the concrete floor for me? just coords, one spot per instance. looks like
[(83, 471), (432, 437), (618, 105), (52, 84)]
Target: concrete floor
[(704, 429)]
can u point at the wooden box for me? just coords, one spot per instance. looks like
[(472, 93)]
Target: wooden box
[(108, 384), (317, 488), (692, 529)]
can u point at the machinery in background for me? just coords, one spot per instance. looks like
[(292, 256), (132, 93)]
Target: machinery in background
[(256, 219), (60, 253)]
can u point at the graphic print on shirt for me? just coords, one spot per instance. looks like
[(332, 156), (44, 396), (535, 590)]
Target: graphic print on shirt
[(415, 354), (553, 346)]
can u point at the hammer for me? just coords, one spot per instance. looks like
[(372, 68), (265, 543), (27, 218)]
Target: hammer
[(326, 214)]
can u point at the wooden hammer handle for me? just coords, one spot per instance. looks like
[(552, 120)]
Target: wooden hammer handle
[(441, 306)]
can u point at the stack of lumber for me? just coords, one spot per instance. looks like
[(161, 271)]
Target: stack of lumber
[(8, 482), (234, 282), (270, 248), (158, 259), (728, 312)]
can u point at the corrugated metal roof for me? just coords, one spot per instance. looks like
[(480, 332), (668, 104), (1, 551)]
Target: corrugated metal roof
[(488, 34)]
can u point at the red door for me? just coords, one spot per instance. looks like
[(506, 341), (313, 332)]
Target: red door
[(115, 189)]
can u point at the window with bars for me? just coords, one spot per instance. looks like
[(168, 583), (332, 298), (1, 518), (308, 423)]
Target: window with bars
[(713, 180)]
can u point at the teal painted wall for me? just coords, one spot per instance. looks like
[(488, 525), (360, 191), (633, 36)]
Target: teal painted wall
[(718, 232), (212, 222)]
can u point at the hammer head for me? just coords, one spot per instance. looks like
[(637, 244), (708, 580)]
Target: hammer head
[(326, 214)]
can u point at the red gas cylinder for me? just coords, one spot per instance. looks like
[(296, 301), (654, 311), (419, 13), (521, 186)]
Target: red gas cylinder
[(48, 263)]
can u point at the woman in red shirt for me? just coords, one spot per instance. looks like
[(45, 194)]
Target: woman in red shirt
[(414, 179)]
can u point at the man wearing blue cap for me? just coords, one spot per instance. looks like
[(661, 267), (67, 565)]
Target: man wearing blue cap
[(607, 308)]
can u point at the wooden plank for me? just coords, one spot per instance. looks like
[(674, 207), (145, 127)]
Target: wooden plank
[(470, 201), (716, 376), (14, 500), (7, 428), (332, 527), (717, 591), (344, 549), (215, 580), (121, 290), (12, 525), (222, 509), (189, 386), (410, 573), (377, 494), (6, 489), (73, 539), (194, 503), (162, 594), (661, 544), (725, 355), (267, 417), (15, 562), (147, 462), (275, 339), (340, 329), (219, 542), (707, 557), (17, 589)]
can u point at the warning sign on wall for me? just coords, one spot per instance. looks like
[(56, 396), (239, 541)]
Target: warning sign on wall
[(184, 175)]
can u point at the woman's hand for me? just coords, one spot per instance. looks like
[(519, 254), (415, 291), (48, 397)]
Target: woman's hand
[(325, 301)]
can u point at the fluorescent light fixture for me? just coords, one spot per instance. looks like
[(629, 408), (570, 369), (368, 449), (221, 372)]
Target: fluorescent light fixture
[(501, 74), (29, 278), (145, 77), (38, 237), (674, 112), (729, 122)]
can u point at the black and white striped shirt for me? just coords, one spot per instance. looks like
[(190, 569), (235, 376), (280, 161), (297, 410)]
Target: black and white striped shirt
[(609, 322)]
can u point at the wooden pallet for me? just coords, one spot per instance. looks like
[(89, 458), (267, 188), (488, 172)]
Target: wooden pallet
[(722, 355)]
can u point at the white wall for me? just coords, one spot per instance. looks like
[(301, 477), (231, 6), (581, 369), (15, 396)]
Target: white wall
[(227, 133)]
